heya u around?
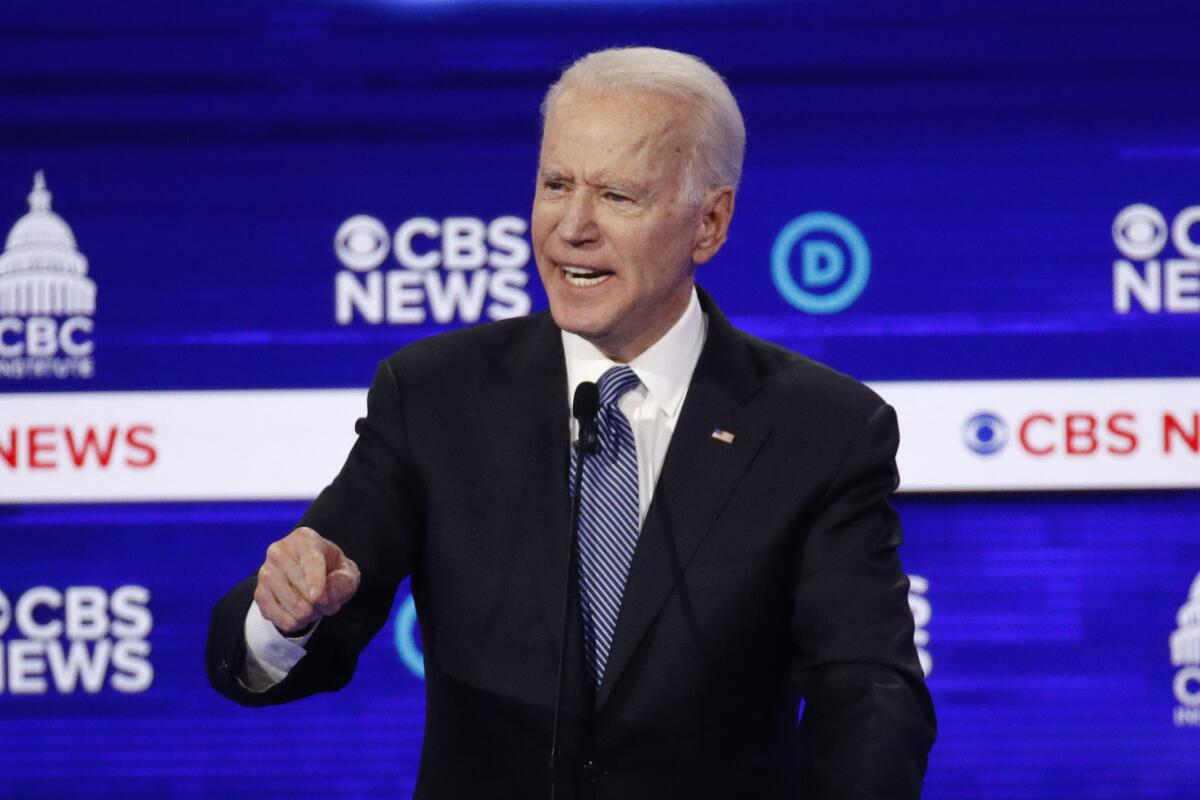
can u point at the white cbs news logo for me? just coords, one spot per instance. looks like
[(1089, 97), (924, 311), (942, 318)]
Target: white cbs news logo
[(1185, 654), (1172, 285), (77, 639), (922, 612), (454, 269), (46, 298)]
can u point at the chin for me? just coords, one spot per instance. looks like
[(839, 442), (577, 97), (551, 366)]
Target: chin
[(597, 334), (574, 320), (588, 332), (567, 321)]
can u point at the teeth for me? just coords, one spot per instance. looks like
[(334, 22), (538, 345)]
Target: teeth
[(581, 276)]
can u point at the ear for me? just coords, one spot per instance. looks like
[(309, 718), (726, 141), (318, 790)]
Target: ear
[(716, 213)]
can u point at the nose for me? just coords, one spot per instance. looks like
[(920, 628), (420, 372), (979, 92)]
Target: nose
[(578, 224)]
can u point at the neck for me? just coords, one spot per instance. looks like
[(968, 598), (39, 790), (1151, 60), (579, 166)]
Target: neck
[(624, 352)]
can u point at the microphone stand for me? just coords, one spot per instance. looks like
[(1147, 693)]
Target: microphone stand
[(584, 408)]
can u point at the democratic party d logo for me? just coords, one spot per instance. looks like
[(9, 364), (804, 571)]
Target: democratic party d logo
[(404, 636), (829, 256)]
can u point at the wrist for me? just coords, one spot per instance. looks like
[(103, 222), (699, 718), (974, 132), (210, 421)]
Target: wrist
[(297, 634)]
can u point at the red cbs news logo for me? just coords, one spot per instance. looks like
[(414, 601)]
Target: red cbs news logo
[(1082, 434), (48, 448)]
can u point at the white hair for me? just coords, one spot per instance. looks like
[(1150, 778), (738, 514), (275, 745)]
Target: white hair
[(719, 134)]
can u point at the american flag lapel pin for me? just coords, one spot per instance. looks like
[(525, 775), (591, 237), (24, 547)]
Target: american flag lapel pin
[(722, 436)]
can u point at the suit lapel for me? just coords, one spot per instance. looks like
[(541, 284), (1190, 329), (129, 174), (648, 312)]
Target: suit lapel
[(697, 478), (529, 437)]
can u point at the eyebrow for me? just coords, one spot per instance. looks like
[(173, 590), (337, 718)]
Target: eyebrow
[(551, 174), (626, 187), (622, 185)]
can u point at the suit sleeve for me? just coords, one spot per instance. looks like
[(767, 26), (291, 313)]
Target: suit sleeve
[(868, 721), (373, 511)]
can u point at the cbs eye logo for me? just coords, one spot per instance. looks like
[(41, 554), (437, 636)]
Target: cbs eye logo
[(985, 433), (362, 243), (1140, 232), (831, 258)]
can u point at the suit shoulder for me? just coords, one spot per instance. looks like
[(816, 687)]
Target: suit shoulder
[(465, 352), (804, 383)]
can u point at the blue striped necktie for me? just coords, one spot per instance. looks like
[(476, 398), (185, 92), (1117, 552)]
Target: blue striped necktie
[(608, 519)]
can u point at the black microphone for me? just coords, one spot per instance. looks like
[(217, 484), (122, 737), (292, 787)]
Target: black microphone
[(584, 407)]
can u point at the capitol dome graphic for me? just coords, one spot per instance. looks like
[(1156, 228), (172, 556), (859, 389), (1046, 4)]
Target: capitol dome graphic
[(41, 271), (1185, 642)]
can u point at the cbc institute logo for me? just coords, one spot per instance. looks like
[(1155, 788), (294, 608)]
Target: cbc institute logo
[(833, 263), (1185, 654), (46, 298)]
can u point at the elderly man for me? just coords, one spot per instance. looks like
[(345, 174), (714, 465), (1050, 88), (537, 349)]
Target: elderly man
[(735, 558)]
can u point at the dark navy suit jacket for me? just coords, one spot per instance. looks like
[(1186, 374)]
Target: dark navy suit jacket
[(766, 579)]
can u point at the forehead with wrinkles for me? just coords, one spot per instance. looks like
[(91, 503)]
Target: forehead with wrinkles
[(634, 137)]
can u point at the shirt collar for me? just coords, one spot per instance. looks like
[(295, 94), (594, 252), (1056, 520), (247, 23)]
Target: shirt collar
[(665, 368)]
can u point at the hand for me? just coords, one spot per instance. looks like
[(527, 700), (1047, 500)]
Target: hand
[(304, 578)]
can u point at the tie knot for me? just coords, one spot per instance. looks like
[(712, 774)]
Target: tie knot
[(616, 382)]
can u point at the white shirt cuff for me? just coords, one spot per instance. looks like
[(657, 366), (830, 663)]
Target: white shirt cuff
[(269, 654)]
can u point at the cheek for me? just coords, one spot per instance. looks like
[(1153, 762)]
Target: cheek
[(541, 222), (659, 246)]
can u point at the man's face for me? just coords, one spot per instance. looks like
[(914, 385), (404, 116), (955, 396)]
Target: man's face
[(614, 240)]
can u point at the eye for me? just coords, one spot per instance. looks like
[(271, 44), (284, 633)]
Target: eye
[(617, 197)]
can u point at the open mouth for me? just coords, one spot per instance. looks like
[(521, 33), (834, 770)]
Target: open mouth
[(583, 276)]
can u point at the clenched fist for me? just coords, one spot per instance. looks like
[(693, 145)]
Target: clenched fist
[(304, 578)]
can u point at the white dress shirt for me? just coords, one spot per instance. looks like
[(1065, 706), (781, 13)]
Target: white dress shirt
[(652, 408)]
